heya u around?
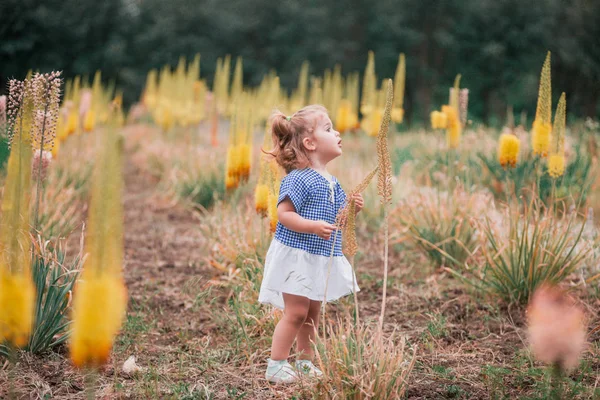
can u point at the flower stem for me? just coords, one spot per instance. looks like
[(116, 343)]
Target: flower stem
[(556, 382)]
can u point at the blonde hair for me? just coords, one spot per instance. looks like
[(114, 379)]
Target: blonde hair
[(288, 133)]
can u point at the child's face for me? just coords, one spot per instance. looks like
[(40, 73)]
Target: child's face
[(326, 141)]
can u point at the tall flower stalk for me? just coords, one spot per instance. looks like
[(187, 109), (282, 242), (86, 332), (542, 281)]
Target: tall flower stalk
[(542, 128), (556, 160), (45, 91), (17, 292), (101, 297), (384, 186)]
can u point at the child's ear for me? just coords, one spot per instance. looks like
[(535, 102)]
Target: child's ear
[(309, 144)]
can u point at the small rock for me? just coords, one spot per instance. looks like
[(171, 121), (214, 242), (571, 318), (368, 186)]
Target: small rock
[(130, 367)]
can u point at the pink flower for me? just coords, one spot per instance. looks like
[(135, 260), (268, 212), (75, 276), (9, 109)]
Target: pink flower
[(2, 110), (46, 159), (85, 103), (556, 327)]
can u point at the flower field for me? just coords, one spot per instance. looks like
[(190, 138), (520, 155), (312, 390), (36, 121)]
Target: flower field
[(132, 242)]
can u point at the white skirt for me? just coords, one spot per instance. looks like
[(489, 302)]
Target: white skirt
[(298, 272)]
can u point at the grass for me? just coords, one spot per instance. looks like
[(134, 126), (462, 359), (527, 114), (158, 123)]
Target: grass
[(537, 248)]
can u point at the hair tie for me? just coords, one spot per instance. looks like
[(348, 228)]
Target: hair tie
[(288, 118)]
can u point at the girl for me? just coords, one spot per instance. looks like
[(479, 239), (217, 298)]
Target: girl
[(296, 264)]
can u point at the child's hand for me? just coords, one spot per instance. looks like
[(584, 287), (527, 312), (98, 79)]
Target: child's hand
[(359, 202), (323, 229)]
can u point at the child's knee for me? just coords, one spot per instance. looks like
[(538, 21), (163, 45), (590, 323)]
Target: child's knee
[(297, 316)]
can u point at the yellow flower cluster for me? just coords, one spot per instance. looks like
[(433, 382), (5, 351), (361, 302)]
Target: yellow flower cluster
[(542, 128), (176, 98), (439, 120), (449, 118), (100, 299), (17, 292), (274, 182), (540, 137), (346, 118), (239, 152), (453, 126), (98, 310), (85, 108), (508, 150), (556, 161), (373, 99), (399, 84), (556, 165)]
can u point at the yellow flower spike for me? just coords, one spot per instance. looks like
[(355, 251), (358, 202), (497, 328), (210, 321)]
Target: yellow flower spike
[(89, 121), (399, 83), (100, 299), (508, 150), (369, 88), (272, 211), (261, 199), (72, 123), (540, 138), (231, 182), (273, 183), (345, 118), (453, 126), (397, 115), (556, 165), (17, 293), (245, 155), (439, 120), (542, 128), (98, 309), (371, 123), (17, 299), (366, 109), (556, 161)]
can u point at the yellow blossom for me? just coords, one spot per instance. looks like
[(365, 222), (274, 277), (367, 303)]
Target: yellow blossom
[(397, 115), (72, 123), (345, 119), (453, 126), (98, 310), (540, 138), (244, 159), (272, 211), (371, 123), (439, 120), (89, 121), (17, 297), (556, 165), (17, 292), (508, 150), (261, 199), (556, 161)]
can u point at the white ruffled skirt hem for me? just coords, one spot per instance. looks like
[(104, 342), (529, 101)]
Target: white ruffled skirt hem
[(298, 272)]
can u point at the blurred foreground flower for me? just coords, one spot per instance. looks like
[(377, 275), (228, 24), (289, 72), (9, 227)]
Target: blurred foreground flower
[(556, 328), (100, 296)]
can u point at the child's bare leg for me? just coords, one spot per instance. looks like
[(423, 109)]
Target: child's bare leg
[(294, 315), (307, 332)]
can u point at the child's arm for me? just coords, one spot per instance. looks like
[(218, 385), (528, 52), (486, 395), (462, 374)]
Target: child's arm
[(292, 220)]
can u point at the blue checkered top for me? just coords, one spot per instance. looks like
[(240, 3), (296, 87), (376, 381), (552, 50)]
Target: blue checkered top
[(315, 198)]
